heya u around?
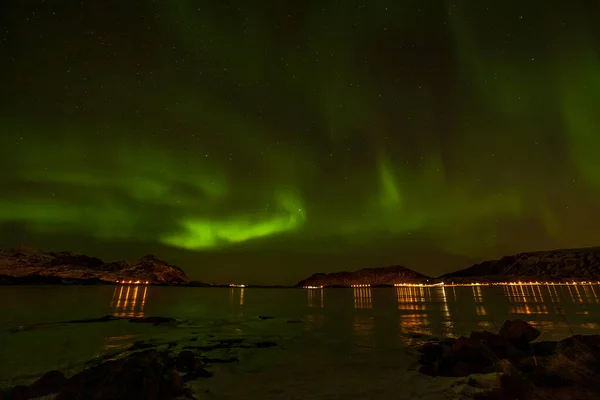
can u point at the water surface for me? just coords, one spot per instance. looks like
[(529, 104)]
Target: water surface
[(334, 321)]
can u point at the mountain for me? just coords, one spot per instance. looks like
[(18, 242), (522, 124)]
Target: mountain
[(26, 264), (553, 265), (371, 276)]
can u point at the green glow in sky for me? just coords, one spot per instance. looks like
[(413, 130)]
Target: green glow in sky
[(275, 141)]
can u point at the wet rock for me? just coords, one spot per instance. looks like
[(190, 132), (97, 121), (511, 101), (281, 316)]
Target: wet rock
[(153, 320), (576, 345), (186, 361), (105, 318), (50, 383), (19, 392), (265, 344), (430, 352), (229, 342), (192, 366), (144, 375), (263, 317), (518, 332), (140, 345)]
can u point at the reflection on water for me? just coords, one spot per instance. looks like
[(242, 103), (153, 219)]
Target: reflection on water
[(316, 298), (362, 297), (236, 296), (411, 298), (129, 300)]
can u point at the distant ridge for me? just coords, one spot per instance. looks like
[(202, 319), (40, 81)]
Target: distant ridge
[(369, 276), (29, 263), (551, 265)]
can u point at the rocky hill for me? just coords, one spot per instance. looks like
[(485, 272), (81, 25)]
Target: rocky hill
[(554, 265), (19, 264), (370, 276)]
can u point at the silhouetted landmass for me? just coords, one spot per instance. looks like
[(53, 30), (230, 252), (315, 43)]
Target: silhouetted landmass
[(543, 266), (26, 266), (366, 276), (554, 265)]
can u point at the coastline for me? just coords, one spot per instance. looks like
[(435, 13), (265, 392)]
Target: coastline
[(215, 362)]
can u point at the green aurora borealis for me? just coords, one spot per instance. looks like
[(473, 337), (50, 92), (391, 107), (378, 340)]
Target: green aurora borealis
[(266, 142)]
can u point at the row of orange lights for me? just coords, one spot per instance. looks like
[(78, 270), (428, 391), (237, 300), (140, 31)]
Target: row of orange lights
[(536, 283), (133, 282)]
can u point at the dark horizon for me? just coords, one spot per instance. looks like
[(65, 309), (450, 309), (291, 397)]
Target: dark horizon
[(267, 142)]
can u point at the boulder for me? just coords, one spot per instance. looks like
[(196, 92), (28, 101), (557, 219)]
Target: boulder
[(144, 375), (50, 383), (577, 345), (192, 366), (518, 332)]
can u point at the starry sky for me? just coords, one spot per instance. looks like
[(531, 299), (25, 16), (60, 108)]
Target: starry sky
[(264, 141)]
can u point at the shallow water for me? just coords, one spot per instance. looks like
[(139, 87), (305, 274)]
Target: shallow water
[(344, 333)]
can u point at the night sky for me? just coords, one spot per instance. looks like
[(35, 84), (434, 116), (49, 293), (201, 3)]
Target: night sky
[(266, 142)]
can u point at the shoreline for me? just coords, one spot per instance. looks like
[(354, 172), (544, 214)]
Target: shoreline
[(196, 363), (41, 280)]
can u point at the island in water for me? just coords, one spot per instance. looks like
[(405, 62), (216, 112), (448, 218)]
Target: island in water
[(30, 266), (565, 265)]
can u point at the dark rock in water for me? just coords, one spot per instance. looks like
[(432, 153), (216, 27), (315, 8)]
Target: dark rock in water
[(147, 375), (498, 345), (105, 318), (519, 332), (566, 370), (263, 317), (19, 392), (186, 361), (230, 341), (575, 345), (50, 383), (153, 320), (191, 365), (261, 345), (474, 354), (141, 345)]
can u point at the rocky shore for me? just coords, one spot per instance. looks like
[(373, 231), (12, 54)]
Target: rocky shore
[(153, 370), (515, 366)]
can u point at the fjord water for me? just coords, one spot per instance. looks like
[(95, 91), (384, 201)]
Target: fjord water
[(354, 324)]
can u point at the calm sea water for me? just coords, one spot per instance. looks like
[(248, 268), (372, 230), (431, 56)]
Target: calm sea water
[(372, 319)]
